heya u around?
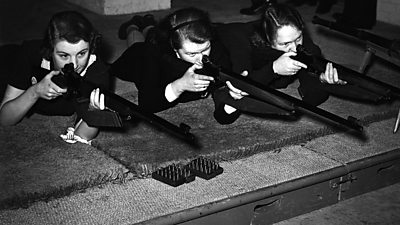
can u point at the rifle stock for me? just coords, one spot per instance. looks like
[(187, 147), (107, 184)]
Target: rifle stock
[(317, 64), (118, 109), (277, 98)]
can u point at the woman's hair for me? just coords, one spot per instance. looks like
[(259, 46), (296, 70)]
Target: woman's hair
[(188, 23), (70, 26), (274, 17)]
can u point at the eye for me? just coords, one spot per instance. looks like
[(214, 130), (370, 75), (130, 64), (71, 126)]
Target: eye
[(298, 40), (81, 54), (208, 48), (63, 56)]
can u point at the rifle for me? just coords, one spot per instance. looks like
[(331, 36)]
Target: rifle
[(273, 96), (388, 49), (118, 109), (377, 90)]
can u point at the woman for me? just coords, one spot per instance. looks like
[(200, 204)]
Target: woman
[(165, 67), (274, 46), (69, 38), (266, 52)]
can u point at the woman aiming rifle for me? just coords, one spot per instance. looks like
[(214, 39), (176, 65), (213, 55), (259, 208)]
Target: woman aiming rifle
[(69, 38), (163, 60), (266, 49)]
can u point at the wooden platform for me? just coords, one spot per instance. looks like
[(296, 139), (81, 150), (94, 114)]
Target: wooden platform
[(264, 188)]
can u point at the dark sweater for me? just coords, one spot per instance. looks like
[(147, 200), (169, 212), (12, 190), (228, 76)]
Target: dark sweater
[(25, 67)]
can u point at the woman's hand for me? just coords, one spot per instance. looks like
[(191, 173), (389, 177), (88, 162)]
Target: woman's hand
[(234, 92), (82, 131), (331, 75), (46, 89), (191, 81), (97, 100), (287, 66)]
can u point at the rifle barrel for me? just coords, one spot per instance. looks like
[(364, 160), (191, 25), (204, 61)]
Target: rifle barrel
[(318, 63), (127, 109), (256, 90), (357, 33), (273, 96)]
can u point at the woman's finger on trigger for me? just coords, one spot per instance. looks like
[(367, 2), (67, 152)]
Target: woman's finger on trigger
[(102, 102)]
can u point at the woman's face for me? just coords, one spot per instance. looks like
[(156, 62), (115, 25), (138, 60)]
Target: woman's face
[(287, 39), (65, 52), (193, 52)]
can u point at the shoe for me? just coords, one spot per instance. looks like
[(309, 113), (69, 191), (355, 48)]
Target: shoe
[(148, 20), (136, 20), (151, 36)]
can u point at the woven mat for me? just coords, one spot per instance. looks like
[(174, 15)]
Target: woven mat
[(36, 164)]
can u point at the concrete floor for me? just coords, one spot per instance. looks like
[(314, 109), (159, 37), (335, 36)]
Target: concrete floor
[(16, 24)]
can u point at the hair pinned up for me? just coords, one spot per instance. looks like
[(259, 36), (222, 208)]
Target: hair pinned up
[(187, 24), (276, 16), (177, 27)]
